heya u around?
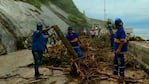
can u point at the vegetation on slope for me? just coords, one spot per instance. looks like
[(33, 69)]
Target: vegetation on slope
[(36, 3), (75, 16)]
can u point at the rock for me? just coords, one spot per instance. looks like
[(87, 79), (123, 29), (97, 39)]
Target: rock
[(18, 19)]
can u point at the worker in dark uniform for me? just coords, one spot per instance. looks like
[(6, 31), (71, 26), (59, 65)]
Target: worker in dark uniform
[(120, 45), (73, 38), (38, 46), (46, 34)]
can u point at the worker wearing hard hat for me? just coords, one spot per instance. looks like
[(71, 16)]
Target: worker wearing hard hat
[(120, 45), (38, 46), (74, 40)]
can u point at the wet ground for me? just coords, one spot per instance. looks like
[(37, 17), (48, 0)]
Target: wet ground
[(17, 68)]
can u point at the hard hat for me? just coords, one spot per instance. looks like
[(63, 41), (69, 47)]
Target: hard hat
[(39, 25), (118, 21), (70, 28), (47, 26)]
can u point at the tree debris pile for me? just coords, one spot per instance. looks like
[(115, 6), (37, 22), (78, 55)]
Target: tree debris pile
[(96, 65), (56, 56)]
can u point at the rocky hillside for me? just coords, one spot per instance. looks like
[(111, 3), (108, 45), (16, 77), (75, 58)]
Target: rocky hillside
[(18, 19)]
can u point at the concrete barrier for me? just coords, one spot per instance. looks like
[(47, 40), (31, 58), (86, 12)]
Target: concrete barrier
[(140, 52)]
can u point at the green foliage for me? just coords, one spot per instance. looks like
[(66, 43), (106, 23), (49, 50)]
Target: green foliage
[(74, 19), (75, 15), (68, 6), (36, 3), (111, 23)]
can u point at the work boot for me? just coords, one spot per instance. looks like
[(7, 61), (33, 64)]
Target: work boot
[(121, 81), (115, 73), (37, 76), (122, 75)]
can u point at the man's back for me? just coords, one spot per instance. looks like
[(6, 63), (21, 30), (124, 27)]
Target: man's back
[(38, 41)]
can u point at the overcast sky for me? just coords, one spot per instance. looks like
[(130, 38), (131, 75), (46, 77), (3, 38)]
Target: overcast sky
[(134, 13)]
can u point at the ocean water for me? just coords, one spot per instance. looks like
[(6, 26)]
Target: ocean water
[(142, 32)]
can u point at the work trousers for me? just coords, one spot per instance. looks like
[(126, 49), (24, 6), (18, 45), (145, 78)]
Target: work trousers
[(78, 51), (112, 44), (37, 60), (119, 64)]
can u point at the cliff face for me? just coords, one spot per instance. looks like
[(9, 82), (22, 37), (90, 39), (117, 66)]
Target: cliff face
[(18, 20)]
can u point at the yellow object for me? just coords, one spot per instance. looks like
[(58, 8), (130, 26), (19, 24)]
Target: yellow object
[(118, 41), (105, 22)]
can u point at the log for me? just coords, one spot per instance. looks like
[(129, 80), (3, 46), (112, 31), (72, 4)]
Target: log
[(65, 41), (55, 68)]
